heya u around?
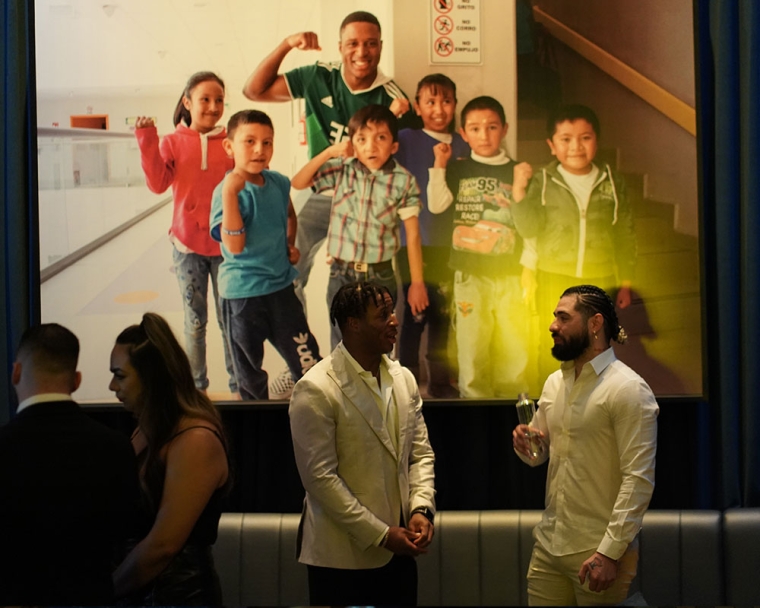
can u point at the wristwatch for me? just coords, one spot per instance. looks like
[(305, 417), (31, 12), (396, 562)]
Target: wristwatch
[(424, 511)]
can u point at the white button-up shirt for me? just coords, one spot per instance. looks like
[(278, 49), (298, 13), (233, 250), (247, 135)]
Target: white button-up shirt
[(43, 398), (601, 429)]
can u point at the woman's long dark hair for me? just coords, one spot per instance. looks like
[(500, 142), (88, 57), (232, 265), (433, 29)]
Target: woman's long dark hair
[(168, 393), (181, 113)]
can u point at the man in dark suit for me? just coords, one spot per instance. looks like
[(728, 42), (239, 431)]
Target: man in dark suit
[(68, 484)]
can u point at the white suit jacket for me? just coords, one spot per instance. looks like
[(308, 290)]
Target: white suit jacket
[(356, 483)]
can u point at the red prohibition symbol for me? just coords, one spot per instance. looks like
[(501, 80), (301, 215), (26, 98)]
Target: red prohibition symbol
[(443, 6), (443, 46), (443, 24)]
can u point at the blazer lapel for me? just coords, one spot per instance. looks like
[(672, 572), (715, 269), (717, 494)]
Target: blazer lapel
[(361, 398), (403, 399)]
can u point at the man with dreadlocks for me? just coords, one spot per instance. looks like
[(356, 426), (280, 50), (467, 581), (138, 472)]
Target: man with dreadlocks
[(597, 420), (365, 461)]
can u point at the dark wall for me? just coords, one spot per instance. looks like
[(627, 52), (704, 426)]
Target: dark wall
[(475, 465)]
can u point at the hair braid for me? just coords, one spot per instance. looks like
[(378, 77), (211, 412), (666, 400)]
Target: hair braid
[(593, 300), (352, 300)]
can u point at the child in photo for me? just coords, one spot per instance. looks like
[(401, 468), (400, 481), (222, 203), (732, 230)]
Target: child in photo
[(253, 217), (373, 195), (486, 254), (581, 217), (192, 161), (435, 103)]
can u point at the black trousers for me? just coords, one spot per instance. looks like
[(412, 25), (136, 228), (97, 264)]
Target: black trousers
[(395, 584)]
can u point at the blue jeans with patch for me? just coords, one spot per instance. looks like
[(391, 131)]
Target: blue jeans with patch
[(193, 272), (277, 317), (341, 274)]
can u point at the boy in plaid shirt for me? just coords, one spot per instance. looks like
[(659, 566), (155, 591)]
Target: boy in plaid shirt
[(372, 193)]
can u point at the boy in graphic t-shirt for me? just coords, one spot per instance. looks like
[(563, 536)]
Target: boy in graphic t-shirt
[(486, 255)]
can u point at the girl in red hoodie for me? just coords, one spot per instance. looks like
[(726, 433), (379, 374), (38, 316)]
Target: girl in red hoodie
[(192, 161)]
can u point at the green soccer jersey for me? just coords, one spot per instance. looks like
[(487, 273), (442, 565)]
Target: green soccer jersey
[(330, 103)]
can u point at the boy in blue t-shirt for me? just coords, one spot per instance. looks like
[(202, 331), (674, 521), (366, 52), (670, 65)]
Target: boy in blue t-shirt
[(435, 103), (252, 216)]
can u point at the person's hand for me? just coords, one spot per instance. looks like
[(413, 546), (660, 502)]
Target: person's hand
[(442, 154), (600, 571), (522, 174), (343, 149), (417, 297), (529, 285), (401, 542), (623, 299), (304, 41), (141, 122), (520, 178), (293, 254), (399, 106), (520, 439), (420, 525), (234, 182)]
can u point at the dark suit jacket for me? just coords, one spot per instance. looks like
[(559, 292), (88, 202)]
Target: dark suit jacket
[(68, 494)]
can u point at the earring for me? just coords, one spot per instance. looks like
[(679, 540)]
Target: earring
[(595, 336)]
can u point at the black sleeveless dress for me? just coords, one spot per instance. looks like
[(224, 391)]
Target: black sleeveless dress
[(190, 579)]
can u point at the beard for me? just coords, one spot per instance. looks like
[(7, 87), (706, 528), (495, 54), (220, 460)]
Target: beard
[(572, 348)]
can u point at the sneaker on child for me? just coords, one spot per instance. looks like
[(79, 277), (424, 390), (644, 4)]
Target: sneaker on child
[(282, 386)]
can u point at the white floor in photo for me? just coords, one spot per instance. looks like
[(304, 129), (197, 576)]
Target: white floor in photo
[(112, 287)]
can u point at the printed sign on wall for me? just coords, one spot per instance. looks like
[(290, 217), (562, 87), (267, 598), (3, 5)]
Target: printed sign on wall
[(455, 31)]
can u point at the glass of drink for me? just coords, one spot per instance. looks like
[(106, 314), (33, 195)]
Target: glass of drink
[(526, 411)]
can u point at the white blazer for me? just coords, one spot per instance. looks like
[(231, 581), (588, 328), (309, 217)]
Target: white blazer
[(356, 483)]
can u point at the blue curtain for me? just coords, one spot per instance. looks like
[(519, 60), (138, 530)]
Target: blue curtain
[(19, 275), (728, 35)]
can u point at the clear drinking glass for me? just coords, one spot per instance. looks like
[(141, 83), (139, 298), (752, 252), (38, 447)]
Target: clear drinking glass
[(526, 411)]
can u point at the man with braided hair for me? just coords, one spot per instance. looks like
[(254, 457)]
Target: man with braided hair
[(597, 420), (365, 461)]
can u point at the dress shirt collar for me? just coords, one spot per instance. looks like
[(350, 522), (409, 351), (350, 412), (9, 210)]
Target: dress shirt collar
[(598, 363), (382, 390), (43, 398), (355, 364)]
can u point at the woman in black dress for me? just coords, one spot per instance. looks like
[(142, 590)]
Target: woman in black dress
[(184, 470)]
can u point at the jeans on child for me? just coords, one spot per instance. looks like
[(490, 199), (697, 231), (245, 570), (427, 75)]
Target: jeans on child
[(313, 224), (193, 272), (437, 319), (342, 274), (492, 335), (277, 317)]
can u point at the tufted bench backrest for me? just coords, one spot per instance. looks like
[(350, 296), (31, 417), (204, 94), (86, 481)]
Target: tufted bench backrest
[(480, 558)]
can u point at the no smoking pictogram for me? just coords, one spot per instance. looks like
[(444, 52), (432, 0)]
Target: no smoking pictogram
[(443, 24), (443, 6), (443, 46)]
